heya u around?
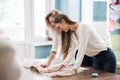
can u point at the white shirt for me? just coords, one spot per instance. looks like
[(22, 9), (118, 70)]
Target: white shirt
[(57, 44), (87, 41)]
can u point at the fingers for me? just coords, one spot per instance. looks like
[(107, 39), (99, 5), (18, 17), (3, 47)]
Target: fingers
[(44, 65), (52, 70)]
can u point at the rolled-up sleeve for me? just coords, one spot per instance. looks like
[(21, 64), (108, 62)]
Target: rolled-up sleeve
[(55, 43)]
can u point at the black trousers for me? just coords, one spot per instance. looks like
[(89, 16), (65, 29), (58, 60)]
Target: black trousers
[(105, 60), (87, 61)]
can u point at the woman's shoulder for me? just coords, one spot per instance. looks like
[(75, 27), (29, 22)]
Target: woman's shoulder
[(83, 25)]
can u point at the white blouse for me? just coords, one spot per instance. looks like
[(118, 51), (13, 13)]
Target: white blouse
[(87, 41), (56, 44)]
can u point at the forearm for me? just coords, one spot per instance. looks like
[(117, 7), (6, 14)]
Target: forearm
[(61, 66), (52, 55)]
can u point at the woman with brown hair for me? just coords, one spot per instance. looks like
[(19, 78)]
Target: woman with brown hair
[(88, 42), (58, 40)]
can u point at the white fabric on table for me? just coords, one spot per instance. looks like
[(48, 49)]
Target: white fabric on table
[(35, 66)]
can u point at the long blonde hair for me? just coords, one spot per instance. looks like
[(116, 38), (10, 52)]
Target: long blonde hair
[(52, 13), (66, 36)]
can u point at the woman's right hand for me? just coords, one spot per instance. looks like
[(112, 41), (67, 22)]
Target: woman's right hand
[(44, 65)]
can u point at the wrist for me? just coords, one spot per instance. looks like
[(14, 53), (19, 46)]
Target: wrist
[(75, 71), (48, 64), (61, 66)]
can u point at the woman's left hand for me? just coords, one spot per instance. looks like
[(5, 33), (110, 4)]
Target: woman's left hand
[(71, 72), (67, 73), (57, 68)]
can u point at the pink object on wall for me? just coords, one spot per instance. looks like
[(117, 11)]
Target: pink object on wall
[(112, 24)]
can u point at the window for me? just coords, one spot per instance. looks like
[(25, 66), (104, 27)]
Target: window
[(12, 19), (15, 26), (72, 8), (39, 15), (99, 10)]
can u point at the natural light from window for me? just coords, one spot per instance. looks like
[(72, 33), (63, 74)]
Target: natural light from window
[(12, 19), (39, 14)]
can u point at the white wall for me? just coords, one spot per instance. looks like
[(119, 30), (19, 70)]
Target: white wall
[(100, 26)]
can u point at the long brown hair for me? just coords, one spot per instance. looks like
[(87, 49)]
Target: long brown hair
[(66, 36), (52, 13)]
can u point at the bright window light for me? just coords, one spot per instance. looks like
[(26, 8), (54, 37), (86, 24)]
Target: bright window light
[(12, 19), (39, 14)]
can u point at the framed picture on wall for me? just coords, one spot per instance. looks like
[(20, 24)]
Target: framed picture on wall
[(114, 16)]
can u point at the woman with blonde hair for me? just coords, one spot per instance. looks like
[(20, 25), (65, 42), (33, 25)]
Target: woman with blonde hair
[(49, 19), (88, 42)]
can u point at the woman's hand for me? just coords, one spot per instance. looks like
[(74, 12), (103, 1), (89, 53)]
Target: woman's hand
[(71, 72), (54, 69), (44, 65), (67, 73), (57, 68)]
